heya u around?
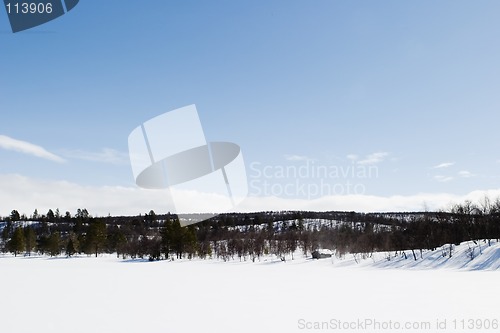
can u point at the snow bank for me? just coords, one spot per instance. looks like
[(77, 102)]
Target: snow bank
[(478, 255)]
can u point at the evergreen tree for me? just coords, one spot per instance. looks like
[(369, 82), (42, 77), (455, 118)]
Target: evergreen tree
[(17, 243), (96, 238), (117, 241), (50, 216), (67, 217), (15, 216), (190, 241), (30, 238), (54, 244), (70, 248), (6, 233), (176, 238), (166, 240)]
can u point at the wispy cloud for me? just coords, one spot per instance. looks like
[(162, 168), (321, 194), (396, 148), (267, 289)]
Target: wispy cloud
[(296, 158), (28, 148), (352, 157), (466, 174), (443, 179), (106, 155), (443, 165), (374, 158)]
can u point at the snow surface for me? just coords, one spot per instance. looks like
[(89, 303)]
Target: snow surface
[(484, 257), (107, 294)]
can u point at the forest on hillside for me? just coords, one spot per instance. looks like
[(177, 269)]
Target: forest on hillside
[(248, 236)]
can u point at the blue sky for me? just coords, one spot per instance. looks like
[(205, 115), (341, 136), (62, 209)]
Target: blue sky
[(410, 88)]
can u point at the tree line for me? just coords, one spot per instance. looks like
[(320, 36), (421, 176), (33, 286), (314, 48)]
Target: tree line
[(248, 236)]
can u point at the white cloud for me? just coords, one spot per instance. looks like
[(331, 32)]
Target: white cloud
[(26, 194), (443, 165), (352, 157), (466, 174), (106, 155), (374, 158), (443, 179), (368, 203), (28, 148), (296, 158)]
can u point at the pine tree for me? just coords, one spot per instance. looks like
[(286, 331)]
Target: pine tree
[(14, 216), (96, 238), (54, 244), (119, 242), (166, 238), (190, 241), (30, 237), (73, 244), (6, 233), (50, 215), (70, 248), (17, 243), (177, 238)]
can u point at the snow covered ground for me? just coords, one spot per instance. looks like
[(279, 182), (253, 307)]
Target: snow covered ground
[(470, 255), (106, 294)]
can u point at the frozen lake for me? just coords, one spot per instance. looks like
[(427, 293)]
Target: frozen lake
[(106, 294)]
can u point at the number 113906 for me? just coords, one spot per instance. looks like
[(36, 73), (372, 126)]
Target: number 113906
[(29, 8), (475, 324)]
